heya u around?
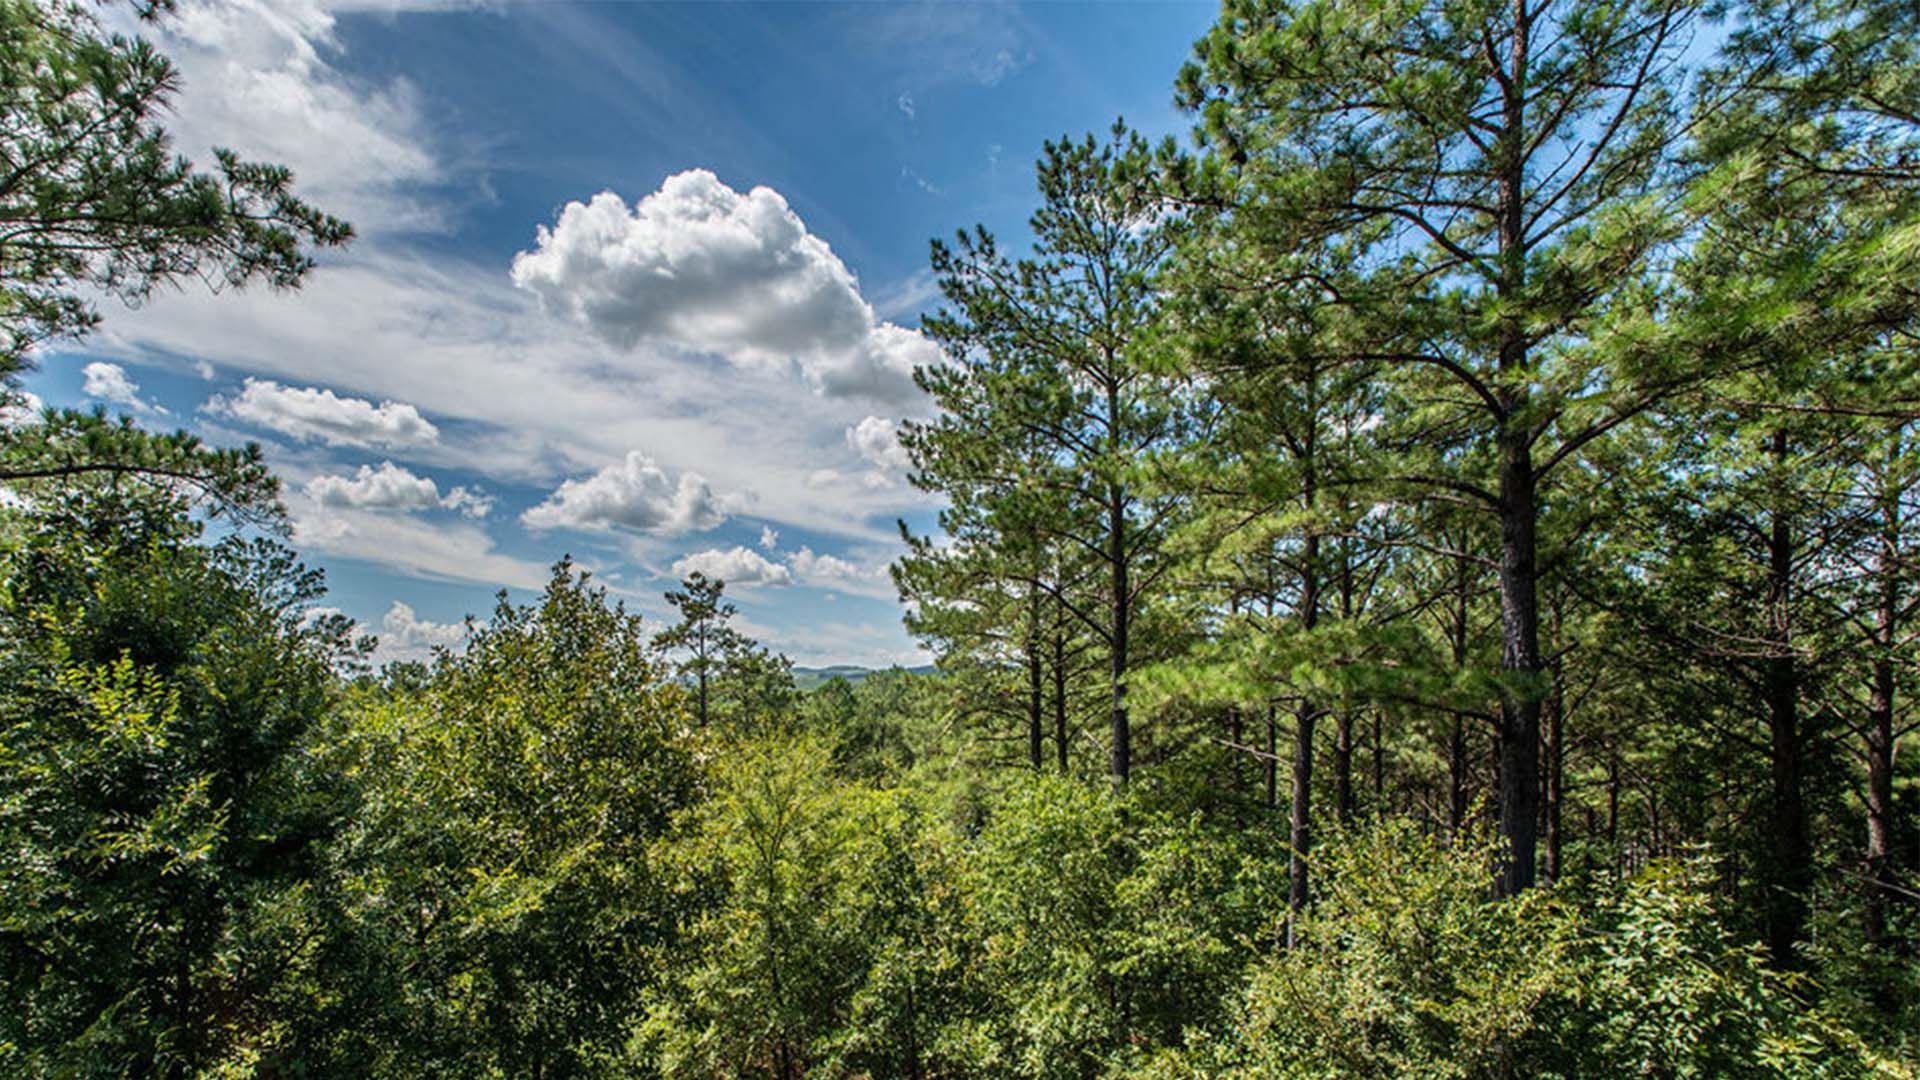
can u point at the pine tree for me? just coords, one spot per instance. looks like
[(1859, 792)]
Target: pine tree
[(1047, 404)]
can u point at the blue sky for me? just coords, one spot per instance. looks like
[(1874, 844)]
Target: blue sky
[(635, 282)]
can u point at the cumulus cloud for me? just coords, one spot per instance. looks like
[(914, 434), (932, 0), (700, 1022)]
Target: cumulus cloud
[(636, 493), (700, 266), (403, 635), (769, 537), (392, 487), (316, 415), (109, 382), (735, 566), (877, 440), (835, 574)]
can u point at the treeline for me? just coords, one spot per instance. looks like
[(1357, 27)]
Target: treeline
[(223, 852), (1505, 417)]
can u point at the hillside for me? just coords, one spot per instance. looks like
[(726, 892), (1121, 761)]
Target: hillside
[(810, 678)]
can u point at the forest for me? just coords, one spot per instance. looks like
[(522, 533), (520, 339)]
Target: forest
[(1427, 585)]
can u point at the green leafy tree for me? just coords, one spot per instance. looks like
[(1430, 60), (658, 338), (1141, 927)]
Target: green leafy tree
[(163, 816), (501, 910), (773, 962)]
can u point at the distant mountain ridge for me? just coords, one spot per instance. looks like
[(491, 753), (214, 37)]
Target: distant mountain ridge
[(809, 678)]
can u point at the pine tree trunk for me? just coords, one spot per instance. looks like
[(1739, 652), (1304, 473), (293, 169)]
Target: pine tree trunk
[(1555, 750), (1300, 814), (1882, 873), (1519, 772), (1035, 693), (1880, 761), (1300, 820), (1060, 700), (1122, 735), (1122, 603), (1343, 767), (1272, 761), (1343, 727), (1456, 778), (1792, 849), (1518, 775), (1379, 768)]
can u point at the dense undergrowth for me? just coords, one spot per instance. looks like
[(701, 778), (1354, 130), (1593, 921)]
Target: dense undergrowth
[(221, 857)]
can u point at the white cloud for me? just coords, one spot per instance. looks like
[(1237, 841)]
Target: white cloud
[(835, 574), (109, 382), (203, 369), (699, 266), (391, 487), (905, 103), (533, 400), (636, 493), (769, 537), (405, 636), (921, 182), (909, 298), (19, 407), (317, 415), (838, 482), (932, 44), (735, 566), (434, 550), (877, 440), (262, 78)]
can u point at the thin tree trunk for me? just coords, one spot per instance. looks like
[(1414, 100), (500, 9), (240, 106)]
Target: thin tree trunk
[(1456, 778), (1555, 750), (1035, 702), (1343, 767), (1300, 820), (1300, 814), (1379, 768), (1060, 699), (1880, 762), (1458, 764), (1122, 754), (1613, 808), (1792, 853), (1343, 726), (1882, 873), (1272, 761)]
